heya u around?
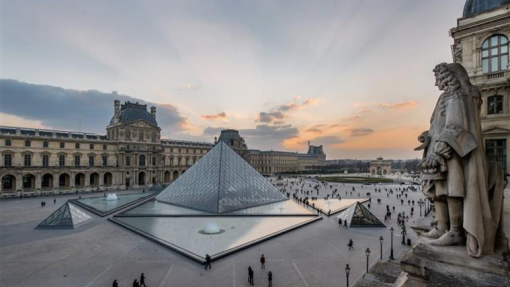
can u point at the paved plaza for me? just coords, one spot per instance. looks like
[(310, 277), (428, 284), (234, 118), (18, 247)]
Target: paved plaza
[(98, 252)]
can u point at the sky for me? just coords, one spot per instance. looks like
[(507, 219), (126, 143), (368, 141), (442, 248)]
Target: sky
[(352, 75)]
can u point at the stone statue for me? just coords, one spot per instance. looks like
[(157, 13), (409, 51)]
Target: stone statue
[(466, 190)]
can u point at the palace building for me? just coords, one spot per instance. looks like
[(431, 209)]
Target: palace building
[(481, 46), (131, 155)]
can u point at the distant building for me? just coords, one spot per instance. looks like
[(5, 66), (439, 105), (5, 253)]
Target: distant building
[(380, 166), (234, 141), (131, 154), (274, 162), (481, 46)]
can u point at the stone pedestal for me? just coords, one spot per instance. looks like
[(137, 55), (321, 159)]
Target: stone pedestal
[(429, 266)]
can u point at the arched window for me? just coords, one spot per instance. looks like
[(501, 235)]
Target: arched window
[(495, 105), (495, 54), (141, 161)]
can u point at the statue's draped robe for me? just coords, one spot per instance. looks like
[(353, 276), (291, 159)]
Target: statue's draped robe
[(456, 121)]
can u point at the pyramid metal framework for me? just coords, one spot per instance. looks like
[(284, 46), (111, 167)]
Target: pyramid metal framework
[(221, 181), (67, 216), (359, 216)]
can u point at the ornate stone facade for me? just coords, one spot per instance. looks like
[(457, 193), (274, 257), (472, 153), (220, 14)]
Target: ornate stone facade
[(380, 167), (481, 46), (131, 155), (275, 162)]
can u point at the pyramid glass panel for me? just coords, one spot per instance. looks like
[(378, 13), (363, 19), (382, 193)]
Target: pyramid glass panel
[(67, 216), (359, 216), (221, 181)]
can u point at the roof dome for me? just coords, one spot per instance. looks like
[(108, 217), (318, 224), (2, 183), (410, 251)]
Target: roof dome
[(473, 7), (130, 112)]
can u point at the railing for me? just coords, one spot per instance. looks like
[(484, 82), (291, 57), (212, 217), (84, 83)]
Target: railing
[(495, 75)]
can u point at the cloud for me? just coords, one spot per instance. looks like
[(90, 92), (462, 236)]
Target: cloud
[(187, 87), (314, 130), (361, 132), (326, 140), (68, 109), (269, 117), (278, 114), (262, 136), (399, 105), (219, 116)]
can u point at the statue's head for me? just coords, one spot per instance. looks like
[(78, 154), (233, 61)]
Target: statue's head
[(451, 77)]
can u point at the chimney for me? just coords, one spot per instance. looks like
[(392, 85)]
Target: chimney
[(153, 111), (116, 105)]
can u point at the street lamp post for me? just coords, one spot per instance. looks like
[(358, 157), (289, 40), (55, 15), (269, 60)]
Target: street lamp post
[(391, 253), (347, 271), (381, 239), (367, 252)]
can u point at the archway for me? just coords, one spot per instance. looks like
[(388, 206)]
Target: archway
[(79, 180), (94, 179), (379, 170), (141, 178), (9, 182), (64, 181), (176, 175), (28, 182), (107, 179), (47, 181), (166, 177)]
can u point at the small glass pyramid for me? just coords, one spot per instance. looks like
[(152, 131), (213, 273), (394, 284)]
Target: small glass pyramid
[(221, 181), (67, 216), (359, 216)]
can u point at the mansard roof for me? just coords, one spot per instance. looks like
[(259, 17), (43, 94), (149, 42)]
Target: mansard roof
[(132, 112)]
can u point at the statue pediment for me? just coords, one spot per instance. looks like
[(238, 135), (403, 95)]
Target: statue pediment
[(496, 130)]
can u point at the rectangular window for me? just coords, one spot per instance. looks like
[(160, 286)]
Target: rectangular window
[(45, 160), (28, 160), (62, 160), (91, 160), (76, 160), (496, 151), (153, 161), (45, 144), (62, 145), (128, 160), (91, 146), (8, 160), (27, 143), (77, 145), (105, 160), (105, 147)]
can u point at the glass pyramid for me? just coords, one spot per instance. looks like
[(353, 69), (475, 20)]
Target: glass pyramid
[(67, 216), (221, 181), (359, 216)]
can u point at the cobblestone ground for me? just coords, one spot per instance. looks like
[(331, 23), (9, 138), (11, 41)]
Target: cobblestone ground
[(99, 252)]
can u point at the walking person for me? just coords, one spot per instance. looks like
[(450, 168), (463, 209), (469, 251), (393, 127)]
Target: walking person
[(142, 281), (270, 278), (207, 262), (351, 244), (345, 224), (250, 275), (262, 262), (115, 283)]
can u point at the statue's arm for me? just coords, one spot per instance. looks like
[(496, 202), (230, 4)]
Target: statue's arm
[(454, 134)]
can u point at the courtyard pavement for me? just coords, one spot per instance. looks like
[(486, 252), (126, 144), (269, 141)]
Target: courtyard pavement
[(98, 252)]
